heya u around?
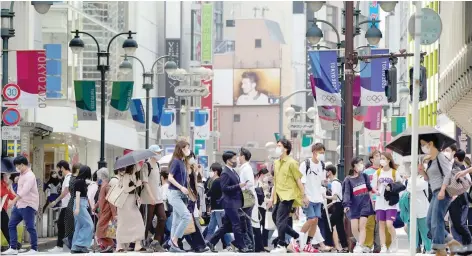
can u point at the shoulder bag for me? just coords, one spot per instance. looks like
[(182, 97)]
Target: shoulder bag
[(116, 195), (249, 200)]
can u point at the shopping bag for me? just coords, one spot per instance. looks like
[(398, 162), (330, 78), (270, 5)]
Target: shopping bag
[(19, 229), (190, 227), (111, 230), (269, 222)]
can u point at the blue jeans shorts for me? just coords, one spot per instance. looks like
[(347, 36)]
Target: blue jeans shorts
[(313, 211)]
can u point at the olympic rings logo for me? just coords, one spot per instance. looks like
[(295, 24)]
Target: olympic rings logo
[(329, 98), (375, 98)]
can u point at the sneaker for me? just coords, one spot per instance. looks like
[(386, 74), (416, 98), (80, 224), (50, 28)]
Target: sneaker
[(228, 249), (30, 252), (174, 248), (384, 249), (393, 246), (279, 249), (156, 246), (358, 249), (10, 251), (56, 249), (366, 249), (310, 249), (294, 246)]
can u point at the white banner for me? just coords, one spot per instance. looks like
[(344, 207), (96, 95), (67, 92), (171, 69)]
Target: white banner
[(202, 124), (168, 125)]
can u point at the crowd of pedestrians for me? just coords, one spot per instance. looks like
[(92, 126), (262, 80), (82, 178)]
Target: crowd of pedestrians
[(146, 208)]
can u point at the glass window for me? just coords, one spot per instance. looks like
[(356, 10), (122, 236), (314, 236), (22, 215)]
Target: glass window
[(258, 43), (331, 16)]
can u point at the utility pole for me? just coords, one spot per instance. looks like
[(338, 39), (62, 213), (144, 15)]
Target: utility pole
[(346, 91)]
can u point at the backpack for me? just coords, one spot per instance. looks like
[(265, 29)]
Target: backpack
[(139, 177), (429, 195), (394, 174), (456, 186), (307, 164)]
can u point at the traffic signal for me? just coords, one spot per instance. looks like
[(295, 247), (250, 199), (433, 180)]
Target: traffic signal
[(391, 88), (423, 84)]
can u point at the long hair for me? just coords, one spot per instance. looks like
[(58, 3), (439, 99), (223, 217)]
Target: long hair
[(85, 173), (76, 168), (179, 151), (390, 159), (354, 161)]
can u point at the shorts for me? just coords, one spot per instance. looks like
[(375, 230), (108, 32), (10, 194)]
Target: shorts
[(312, 211), (363, 210), (384, 215)]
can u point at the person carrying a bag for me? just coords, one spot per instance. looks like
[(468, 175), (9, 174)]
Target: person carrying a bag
[(106, 214)]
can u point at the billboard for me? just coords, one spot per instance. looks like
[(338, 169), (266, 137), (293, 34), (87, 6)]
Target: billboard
[(223, 87), (256, 86)]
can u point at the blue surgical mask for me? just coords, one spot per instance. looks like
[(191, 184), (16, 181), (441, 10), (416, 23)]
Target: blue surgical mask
[(99, 182)]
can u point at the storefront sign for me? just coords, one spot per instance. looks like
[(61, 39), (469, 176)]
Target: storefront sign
[(207, 33), (190, 91), (299, 126)]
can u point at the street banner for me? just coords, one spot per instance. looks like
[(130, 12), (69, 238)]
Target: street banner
[(157, 108), (137, 112), (121, 94), (207, 33), (358, 111), (373, 80), (373, 118), (324, 65), (207, 101), (202, 124), (85, 100), (398, 125), (329, 117), (172, 49), (31, 78), (168, 125)]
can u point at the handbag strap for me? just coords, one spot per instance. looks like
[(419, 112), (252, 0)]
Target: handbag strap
[(249, 217)]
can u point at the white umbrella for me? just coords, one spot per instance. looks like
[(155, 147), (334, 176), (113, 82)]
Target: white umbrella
[(165, 160)]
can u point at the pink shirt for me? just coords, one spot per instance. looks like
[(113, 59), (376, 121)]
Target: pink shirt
[(28, 191)]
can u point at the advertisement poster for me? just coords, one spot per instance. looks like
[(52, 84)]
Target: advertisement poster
[(138, 115), (121, 94), (324, 65), (85, 100), (168, 125), (374, 80), (255, 86), (31, 78), (202, 124)]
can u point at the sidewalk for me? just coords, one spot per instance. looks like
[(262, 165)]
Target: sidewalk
[(43, 244)]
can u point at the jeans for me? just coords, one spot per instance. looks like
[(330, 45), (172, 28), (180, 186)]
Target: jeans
[(216, 221), (422, 234), (249, 234), (83, 231), (181, 217), (436, 213), (27, 215), (458, 211)]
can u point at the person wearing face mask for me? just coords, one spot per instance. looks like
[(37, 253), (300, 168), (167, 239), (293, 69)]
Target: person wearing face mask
[(52, 188), (178, 192), (450, 151), (438, 175), (152, 200), (25, 206), (265, 183), (357, 203), (231, 201), (372, 239), (288, 192), (313, 177), (385, 212)]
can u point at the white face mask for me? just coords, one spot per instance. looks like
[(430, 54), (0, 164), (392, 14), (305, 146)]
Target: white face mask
[(54, 175), (425, 166), (383, 162), (278, 152), (425, 149), (187, 152), (448, 155), (157, 157), (212, 174), (359, 167), (191, 161), (321, 157)]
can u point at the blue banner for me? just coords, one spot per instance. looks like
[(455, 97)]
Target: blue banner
[(324, 65), (157, 108), (137, 112), (373, 80), (374, 11)]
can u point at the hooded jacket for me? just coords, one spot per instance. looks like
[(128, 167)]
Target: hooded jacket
[(393, 196)]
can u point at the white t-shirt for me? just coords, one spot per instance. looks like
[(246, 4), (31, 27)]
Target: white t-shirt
[(154, 181), (380, 183), (337, 188), (421, 196), (313, 181), (261, 99), (92, 189), (65, 184)]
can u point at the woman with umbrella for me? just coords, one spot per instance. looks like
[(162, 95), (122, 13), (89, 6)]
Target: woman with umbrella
[(6, 194), (438, 175)]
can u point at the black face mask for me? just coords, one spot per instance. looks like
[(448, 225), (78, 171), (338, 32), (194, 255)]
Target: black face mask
[(264, 171), (59, 173)]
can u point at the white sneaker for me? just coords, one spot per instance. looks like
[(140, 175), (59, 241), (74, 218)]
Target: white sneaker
[(393, 247), (366, 249), (56, 249), (279, 249), (30, 252), (358, 249), (384, 249), (10, 251)]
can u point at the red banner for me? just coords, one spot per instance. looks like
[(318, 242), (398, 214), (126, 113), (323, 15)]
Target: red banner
[(31, 78), (207, 102)]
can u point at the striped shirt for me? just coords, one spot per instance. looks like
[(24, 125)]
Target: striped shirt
[(356, 191)]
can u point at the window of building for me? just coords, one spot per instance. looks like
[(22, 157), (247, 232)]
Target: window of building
[(230, 23), (236, 118), (331, 16), (258, 43)]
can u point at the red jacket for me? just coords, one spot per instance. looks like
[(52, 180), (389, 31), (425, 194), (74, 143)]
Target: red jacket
[(5, 191)]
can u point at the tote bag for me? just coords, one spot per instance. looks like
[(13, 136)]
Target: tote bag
[(116, 195), (269, 222)]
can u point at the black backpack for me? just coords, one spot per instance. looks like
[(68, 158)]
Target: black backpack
[(138, 177), (307, 164)]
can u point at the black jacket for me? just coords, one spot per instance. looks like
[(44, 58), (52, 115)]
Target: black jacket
[(393, 196), (232, 197)]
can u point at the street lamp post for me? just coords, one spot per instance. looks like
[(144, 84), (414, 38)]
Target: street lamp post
[(148, 80), (282, 100), (103, 65)]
